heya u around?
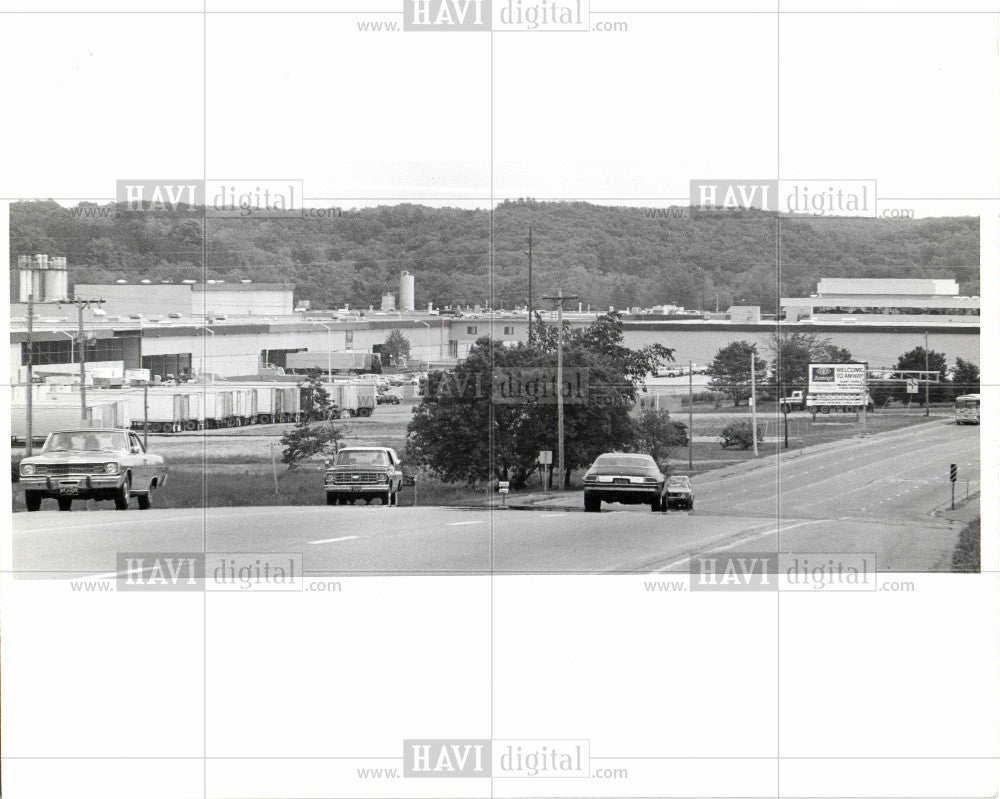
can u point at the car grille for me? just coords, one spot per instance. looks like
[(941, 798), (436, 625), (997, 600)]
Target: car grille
[(69, 468), (356, 478)]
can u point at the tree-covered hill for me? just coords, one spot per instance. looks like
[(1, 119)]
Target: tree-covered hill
[(609, 256)]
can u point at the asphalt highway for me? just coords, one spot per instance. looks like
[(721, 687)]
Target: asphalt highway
[(879, 495)]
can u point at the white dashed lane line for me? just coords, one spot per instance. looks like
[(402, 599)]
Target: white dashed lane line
[(331, 540)]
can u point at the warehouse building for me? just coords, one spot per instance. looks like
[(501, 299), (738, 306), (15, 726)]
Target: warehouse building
[(892, 301)]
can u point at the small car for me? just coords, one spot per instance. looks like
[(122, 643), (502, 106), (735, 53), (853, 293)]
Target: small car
[(679, 492), (91, 463), (629, 478), (387, 398), (363, 473)]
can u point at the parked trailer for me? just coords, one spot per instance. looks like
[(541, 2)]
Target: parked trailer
[(45, 418)]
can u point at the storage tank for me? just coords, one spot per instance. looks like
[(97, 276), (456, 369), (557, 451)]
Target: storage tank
[(406, 291), (57, 279), (37, 278), (23, 277), (389, 302)]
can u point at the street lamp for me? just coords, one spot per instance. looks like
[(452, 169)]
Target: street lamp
[(205, 355)]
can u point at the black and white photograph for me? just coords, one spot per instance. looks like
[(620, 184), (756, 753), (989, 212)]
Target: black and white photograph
[(603, 405)]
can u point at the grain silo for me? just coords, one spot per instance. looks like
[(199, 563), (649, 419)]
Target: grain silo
[(406, 291)]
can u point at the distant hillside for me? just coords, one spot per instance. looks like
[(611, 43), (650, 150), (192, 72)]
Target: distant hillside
[(607, 255)]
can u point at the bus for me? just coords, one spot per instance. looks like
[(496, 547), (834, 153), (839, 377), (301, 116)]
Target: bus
[(967, 409)]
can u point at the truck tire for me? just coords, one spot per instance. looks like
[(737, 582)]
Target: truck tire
[(122, 495), (33, 500), (331, 499), (824, 408), (64, 503), (786, 408), (145, 501)]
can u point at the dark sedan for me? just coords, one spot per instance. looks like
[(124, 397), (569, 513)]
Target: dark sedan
[(624, 477)]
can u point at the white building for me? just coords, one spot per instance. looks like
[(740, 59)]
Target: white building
[(873, 300)]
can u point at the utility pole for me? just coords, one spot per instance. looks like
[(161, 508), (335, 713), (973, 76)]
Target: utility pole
[(927, 380), (80, 306), (753, 401), (690, 416), (560, 431), (530, 300), (30, 365)]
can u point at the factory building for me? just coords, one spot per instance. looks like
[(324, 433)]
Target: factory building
[(892, 301), (209, 299)]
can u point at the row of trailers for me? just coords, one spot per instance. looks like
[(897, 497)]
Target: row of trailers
[(174, 409)]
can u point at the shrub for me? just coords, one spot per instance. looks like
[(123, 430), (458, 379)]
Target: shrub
[(739, 434)]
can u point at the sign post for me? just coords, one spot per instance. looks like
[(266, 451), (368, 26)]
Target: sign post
[(954, 477), (503, 487), (545, 460)]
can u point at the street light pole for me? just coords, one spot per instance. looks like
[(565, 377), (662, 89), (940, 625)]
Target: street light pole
[(753, 401), (927, 380), (80, 306), (530, 302), (560, 430), (690, 416), (30, 369)]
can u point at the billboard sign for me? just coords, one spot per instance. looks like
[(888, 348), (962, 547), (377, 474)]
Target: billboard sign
[(838, 378)]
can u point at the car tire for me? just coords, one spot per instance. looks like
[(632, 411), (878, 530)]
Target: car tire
[(145, 501), (591, 505), (122, 495), (786, 408), (64, 503), (690, 505), (656, 505), (33, 500)]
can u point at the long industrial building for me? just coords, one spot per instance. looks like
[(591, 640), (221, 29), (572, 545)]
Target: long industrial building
[(236, 329)]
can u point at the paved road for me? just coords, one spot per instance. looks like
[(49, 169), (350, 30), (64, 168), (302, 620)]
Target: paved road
[(876, 495)]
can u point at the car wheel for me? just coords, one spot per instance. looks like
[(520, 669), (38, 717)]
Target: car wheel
[(786, 408), (691, 505), (591, 505), (145, 500), (33, 500), (65, 503), (332, 500), (122, 496), (656, 505)]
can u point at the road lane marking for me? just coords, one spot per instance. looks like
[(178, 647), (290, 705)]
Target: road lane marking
[(113, 575), (731, 544), (331, 540), (456, 524)]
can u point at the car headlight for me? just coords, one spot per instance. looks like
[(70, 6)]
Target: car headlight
[(111, 468), (383, 478), (650, 480), (330, 478), (27, 469)]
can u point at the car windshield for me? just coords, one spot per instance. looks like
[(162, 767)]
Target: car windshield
[(679, 481), (362, 457), (630, 461), (86, 441)]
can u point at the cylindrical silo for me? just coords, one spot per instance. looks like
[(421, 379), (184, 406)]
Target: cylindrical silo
[(38, 278), (23, 277), (388, 301), (55, 279), (406, 291)]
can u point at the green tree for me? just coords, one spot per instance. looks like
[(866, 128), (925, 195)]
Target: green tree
[(914, 360), (397, 347), (314, 433), (793, 352), (656, 434), (964, 377), (462, 435), (730, 370)]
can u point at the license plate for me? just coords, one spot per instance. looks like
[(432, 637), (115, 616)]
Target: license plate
[(69, 490), (620, 481)]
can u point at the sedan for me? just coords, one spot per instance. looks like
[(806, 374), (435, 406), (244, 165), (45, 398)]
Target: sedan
[(628, 478)]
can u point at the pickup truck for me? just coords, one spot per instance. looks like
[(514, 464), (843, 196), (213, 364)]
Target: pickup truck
[(363, 473)]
